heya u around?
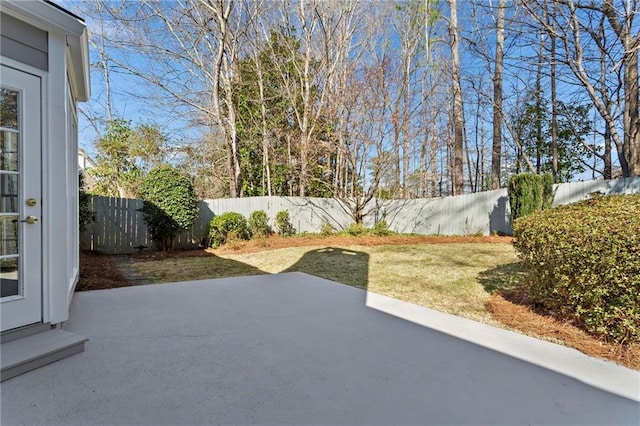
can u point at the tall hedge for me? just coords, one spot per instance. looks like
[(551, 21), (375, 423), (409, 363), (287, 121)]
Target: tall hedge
[(529, 193), (170, 204), (582, 261)]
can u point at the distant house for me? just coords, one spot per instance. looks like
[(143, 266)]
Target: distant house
[(44, 72), (84, 164), (84, 161)]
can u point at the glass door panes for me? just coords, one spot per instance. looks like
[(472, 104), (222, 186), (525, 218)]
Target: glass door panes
[(9, 191)]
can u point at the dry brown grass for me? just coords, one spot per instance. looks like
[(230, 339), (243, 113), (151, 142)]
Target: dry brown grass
[(274, 242), (439, 276)]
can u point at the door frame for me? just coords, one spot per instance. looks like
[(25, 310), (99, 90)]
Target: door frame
[(42, 288)]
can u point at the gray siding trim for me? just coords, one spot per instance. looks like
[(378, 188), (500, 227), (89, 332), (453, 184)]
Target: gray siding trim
[(23, 42)]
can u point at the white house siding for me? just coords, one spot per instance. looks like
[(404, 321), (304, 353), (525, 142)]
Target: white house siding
[(43, 40)]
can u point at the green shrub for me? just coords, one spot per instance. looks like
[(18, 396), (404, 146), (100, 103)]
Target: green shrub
[(381, 229), (170, 204), (582, 261), (356, 230), (85, 214), (547, 191), (283, 222), (259, 224), (227, 227), (529, 193), (327, 229)]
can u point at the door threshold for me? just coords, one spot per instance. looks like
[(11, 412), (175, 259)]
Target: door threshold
[(20, 332)]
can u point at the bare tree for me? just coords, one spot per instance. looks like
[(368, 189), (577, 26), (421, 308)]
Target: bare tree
[(458, 118), (496, 151), (187, 50), (554, 99), (306, 89), (571, 20)]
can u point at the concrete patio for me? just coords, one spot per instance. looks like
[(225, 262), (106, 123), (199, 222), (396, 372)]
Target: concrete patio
[(296, 349)]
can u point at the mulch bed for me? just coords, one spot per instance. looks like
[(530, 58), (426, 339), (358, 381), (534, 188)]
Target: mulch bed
[(512, 310), (99, 272)]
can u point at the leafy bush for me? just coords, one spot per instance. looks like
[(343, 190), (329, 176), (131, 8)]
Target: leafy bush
[(283, 222), (582, 261), (226, 227), (529, 193), (85, 214), (356, 230), (327, 229), (381, 229), (259, 224), (170, 204)]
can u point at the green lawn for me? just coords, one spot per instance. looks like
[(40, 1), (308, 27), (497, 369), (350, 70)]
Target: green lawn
[(455, 278)]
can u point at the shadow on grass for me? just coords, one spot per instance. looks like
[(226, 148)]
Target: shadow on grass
[(190, 265), (336, 264), (501, 278)]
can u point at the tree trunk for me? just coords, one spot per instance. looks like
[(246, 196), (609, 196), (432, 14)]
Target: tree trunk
[(607, 169), (631, 119), (631, 112), (458, 118), (496, 152), (406, 118), (554, 109), (539, 116), (302, 187)]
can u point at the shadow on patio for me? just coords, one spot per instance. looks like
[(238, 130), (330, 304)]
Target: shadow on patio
[(293, 348)]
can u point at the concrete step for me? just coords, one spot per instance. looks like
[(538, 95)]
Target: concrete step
[(34, 351)]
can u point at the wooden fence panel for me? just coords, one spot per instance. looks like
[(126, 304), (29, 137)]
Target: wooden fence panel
[(120, 228)]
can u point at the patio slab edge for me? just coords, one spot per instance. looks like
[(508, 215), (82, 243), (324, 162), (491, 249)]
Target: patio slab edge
[(601, 374)]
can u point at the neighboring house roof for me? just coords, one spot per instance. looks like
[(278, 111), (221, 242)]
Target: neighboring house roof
[(86, 162)]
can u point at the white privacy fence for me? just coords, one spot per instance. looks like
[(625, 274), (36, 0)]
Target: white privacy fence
[(120, 228)]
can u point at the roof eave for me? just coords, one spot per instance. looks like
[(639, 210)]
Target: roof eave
[(51, 18)]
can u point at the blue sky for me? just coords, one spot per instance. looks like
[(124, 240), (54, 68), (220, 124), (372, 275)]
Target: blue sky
[(130, 97)]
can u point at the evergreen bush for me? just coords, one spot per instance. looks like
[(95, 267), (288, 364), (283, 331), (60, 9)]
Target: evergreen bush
[(529, 193), (356, 230), (381, 229), (582, 262), (283, 222), (259, 224), (547, 191), (327, 229), (226, 227), (170, 204)]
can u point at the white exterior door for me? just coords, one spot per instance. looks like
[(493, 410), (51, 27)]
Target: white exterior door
[(20, 198)]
